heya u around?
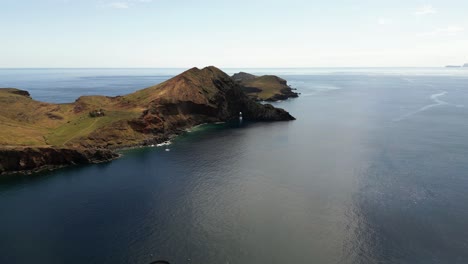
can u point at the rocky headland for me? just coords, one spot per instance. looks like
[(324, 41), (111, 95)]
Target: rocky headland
[(264, 88), (28, 160), (37, 135)]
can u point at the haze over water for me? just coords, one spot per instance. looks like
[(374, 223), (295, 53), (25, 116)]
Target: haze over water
[(374, 170)]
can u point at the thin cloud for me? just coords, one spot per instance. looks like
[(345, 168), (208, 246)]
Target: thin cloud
[(127, 4), (448, 31), (119, 5), (425, 10), (384, 21)]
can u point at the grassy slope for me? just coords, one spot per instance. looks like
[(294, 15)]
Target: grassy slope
[(268, 84), (24, 121), (83, 125), (193, 85)]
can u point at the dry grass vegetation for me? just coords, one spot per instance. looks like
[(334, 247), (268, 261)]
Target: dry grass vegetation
[(268, 84), (193, 97), (26, 122)]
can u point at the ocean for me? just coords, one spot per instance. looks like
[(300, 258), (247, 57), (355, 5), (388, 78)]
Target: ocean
[(374, 170)]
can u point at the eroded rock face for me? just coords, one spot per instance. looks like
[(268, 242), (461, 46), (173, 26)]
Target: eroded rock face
[(28, 159), (198, 96), (211, 93)]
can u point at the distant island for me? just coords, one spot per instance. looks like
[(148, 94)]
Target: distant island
[(264, 88), (457, 66), (37, 135)]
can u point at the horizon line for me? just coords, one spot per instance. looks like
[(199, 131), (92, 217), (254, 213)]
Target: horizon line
[(306, 67)]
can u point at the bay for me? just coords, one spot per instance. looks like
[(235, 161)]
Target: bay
[(374, 170)]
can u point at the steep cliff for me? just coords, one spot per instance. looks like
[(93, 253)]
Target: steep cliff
[(27, 160)]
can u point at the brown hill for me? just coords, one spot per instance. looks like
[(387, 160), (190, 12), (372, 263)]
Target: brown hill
[(264, 88), (147, 116)]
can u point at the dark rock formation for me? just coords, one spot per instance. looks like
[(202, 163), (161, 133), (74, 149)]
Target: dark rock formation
[(29, 159), (16, 91), (200, 96)]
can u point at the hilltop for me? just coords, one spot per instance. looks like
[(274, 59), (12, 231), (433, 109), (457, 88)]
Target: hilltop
[(92, 123), (264, 88)]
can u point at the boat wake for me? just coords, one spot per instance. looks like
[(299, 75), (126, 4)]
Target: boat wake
[(437, 102)]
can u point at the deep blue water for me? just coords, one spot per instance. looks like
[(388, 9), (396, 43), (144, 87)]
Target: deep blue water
[(374, 170)]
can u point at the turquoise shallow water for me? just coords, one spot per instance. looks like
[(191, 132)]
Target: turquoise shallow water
[(374, 170)]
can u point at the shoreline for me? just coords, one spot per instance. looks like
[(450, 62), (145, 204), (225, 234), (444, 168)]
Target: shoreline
[(151, 143), (94, 128), (39, 159)]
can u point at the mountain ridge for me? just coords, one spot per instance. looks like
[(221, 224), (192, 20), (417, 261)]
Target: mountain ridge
[(148, 116)]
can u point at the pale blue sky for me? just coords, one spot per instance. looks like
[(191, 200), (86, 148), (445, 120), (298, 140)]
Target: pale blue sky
[(253, 33)]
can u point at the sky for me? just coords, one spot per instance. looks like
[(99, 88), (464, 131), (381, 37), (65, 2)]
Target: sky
[(243, 33)]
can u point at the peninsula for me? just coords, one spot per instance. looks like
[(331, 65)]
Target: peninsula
[(37, 135), (457, 66), (264, 88)]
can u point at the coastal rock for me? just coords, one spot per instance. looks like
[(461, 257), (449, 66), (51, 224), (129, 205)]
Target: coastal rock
[(264, 88), (32, 159), (18, 92)]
